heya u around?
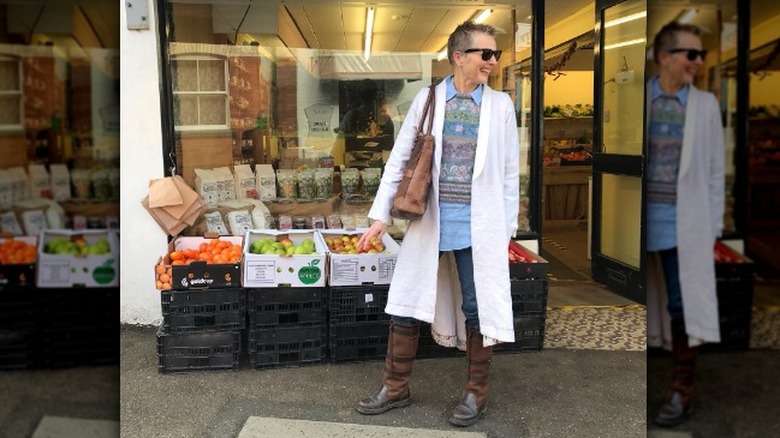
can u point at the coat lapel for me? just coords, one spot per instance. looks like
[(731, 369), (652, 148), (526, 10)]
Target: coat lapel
[(690, 125), (484, 128)]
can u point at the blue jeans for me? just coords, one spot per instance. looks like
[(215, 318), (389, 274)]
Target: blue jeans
[(465, 264), (671, 265)]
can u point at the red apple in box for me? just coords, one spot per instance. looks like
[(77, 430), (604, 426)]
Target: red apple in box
[(518, 255)]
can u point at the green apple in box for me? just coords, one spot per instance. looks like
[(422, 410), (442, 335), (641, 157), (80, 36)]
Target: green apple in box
[(283, 258), (71, 258)]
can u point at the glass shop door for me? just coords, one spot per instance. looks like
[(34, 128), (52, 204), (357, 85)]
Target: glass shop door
[(617, 236)]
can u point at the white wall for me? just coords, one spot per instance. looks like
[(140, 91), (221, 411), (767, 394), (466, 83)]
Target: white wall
[(142, 240)]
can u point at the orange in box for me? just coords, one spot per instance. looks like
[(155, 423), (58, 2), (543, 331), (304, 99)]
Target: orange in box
[(195, 262)]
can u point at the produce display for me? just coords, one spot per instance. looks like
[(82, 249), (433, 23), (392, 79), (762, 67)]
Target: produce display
[(76, 245), (215, 251), (518, 254), (348, 245), (17, 252), (724, 254), (282, 246)]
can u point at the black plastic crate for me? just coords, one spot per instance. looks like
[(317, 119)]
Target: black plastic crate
[(78, 307), (87, 344), (539, 269), (529, 295), (198, 351), (19, 309), (287, 346), (529, 333), (428, 348), (357, 304), (203, 309), (296, 306), (358, 342), (19, 349)]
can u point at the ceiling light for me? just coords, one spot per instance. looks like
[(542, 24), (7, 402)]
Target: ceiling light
[(625, 43), (688, 16), (625, 19), (483, 16), (369, 32)]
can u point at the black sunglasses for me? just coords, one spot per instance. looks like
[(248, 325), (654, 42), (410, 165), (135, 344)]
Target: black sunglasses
[(486, 53), (691, 54)]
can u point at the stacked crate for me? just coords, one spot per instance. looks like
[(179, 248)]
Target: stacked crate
[(201, 329), (529, 286), (734, 274), (287, 326), (287, 301), (20, 338), (203, 309), (80, 326), (357, 323)]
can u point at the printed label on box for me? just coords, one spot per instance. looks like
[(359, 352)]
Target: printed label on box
[(345, 270), (261, 271), (386, 268), (55, 271)]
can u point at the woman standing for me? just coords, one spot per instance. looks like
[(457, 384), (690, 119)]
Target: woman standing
[(685, 203), (452, 269)]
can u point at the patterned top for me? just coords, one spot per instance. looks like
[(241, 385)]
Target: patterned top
[(666, 128), (459, 145)]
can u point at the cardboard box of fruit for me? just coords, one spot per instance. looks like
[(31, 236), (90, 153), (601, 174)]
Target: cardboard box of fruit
[(274, 258), (350, 266), (83, 258), (17, 261), (524, 263), (195, 262)]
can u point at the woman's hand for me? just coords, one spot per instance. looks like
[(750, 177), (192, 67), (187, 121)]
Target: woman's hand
[(376, 230)]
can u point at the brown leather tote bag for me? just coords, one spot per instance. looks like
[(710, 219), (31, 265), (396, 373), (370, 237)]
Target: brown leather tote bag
[(412, 196)]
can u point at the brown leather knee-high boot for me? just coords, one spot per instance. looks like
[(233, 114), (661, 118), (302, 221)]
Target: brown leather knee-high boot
[(394, 393), (677, 404), (474, 400)]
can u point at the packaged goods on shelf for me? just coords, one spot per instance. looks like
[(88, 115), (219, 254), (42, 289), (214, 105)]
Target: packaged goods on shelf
[(245, 182), (40, 186), (60, 182), (266, 182)]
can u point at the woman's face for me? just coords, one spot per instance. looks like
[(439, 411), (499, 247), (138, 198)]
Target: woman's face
[(470, 67), (677, 66)]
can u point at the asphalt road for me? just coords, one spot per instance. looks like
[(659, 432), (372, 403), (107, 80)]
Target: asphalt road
[(553, 393)]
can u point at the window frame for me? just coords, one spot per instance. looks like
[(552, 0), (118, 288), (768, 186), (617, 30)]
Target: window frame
[(175, 94), (19, 92)]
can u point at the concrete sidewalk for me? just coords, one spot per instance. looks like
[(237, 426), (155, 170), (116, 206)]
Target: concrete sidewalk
[(553, 393)]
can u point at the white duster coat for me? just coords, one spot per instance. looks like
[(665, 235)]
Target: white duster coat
[(426, 287), (700, 206)]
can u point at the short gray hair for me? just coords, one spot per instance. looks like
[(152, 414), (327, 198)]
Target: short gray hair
[(460, 39), (666, 38)]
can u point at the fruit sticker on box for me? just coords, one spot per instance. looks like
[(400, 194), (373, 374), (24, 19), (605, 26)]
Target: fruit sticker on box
[(17, 261), (83, 258), (274, 258), (195, 262), (351, 266)]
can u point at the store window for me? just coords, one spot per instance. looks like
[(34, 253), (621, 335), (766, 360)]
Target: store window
[(281, 90), (59, 115)]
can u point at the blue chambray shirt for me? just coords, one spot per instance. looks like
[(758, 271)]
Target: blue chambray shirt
[(455, 219), (662, 218)]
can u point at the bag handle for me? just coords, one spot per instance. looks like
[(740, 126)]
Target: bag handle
[(428, 111)]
